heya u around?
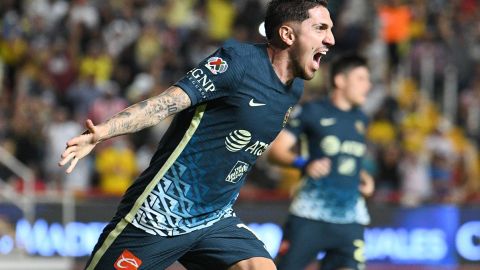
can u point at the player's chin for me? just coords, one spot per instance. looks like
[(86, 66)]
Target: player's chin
[(308, 74)]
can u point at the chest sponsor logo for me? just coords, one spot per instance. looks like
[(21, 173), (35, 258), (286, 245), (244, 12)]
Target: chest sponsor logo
[(239, 139), (201, 80), (127, 261), (216, 65), (331, 145), (326, 122), (237, 172), (252, 103)]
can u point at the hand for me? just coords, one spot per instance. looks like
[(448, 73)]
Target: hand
[(80, 146), (367, 184), (318, 168)]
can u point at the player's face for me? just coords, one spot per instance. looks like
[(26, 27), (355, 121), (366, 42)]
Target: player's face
[(313, 40), (357, 85)]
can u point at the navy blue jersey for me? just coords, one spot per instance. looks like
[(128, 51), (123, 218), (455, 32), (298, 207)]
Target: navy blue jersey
[(340, 136), (238, 107)]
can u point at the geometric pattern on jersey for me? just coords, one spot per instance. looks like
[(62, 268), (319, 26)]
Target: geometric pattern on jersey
[(318, 205), (168, 206), (330, 132)]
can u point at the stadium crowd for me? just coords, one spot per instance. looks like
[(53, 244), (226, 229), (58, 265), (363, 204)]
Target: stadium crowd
[(62, 62)]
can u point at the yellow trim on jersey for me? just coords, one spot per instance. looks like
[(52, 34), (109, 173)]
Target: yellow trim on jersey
[(138, 203)]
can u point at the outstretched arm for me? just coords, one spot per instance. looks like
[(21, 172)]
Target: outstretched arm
[(141, 115)]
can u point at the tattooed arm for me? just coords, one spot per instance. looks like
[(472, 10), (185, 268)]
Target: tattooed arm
[(141, 115)]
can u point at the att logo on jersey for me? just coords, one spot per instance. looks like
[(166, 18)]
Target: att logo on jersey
[(239, 139)]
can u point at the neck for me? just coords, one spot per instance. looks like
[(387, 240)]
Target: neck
[(339, 101), (281, 63)]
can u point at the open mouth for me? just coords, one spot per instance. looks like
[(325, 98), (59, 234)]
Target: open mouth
[(317, 57)]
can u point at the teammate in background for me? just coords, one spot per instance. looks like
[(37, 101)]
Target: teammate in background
[(228, 110), (328, 212)]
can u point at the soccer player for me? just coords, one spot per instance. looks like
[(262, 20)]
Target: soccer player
[(328, 212), (228, 110)]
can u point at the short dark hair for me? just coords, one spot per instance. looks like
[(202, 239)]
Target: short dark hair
[(344, 64), (282, 11)]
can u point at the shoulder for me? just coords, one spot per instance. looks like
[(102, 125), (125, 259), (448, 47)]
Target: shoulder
[(240, 49), (310, 107), (317, 105)]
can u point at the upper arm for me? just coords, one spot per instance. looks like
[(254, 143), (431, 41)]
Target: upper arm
[(216, 76), (280, 150), (284, 141)]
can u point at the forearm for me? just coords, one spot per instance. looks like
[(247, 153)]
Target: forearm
[(285, 158), (144, 114), (367, 184)]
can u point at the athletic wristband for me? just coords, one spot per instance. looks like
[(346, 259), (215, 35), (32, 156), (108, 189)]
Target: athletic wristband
[(299, 162)]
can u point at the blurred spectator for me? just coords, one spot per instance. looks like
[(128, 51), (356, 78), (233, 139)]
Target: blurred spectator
[(415, 181), (220, 17), (61, 67), (395, 19), (382, 131), (469, 108), (108, 104), (58, 132), (116, 166), (96, 63), (388, 178), (442, 157), (81, 95)]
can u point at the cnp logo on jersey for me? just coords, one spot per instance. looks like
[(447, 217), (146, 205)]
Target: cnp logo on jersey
[(216, 65), (127, 261)]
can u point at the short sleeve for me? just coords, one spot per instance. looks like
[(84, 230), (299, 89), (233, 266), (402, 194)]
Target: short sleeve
[(297, 123), (215, 77)]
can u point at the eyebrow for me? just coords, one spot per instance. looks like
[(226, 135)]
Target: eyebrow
[(322, 25)]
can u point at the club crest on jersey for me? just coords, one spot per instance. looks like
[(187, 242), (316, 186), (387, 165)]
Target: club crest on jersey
[(287, 116), (216, 65), (360, 127)]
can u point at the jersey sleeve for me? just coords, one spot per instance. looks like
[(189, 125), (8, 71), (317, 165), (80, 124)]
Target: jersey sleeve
[(214, 77), (298, 122)]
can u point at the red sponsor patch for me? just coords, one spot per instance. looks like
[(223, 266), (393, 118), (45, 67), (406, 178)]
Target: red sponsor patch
[(127, 261)]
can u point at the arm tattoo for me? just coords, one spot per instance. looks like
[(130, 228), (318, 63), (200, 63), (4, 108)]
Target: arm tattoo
[(148, 112), (172, 108)]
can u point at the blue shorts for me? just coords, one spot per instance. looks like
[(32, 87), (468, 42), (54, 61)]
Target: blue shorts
[(216, 247), (304, 238)]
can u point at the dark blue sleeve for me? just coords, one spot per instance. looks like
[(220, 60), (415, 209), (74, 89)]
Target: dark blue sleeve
[(215, 77), (298, 122)]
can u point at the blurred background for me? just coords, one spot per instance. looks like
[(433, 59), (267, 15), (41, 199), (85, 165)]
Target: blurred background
[(62, 62)]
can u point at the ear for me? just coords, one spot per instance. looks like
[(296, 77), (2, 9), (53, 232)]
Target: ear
[(286, 34), (340, 80)]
